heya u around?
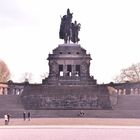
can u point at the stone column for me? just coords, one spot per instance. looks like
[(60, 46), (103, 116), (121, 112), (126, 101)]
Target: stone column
[(6, 91), (73, 70), (138, 91), (17, 91), (0, 91), (65, 70), (128, 91), (53, 68), (3, 91), (13, 91), (20, 91), (84, 68)]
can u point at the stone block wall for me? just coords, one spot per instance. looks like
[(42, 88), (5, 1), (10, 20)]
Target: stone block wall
[(65, 97)]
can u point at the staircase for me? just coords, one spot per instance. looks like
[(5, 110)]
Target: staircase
[(128, 102), (10, 102), (128, 106)]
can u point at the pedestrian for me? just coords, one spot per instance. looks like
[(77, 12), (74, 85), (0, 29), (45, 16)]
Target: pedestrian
[(81, 113), (24, 115), (29, 116), (8, 116), (6, 119)]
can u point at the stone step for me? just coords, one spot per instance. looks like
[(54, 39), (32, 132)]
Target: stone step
[(128, 102), (10, 102), (75, 113)]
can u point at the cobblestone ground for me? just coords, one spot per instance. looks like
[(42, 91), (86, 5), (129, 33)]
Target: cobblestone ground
[(73, 121)]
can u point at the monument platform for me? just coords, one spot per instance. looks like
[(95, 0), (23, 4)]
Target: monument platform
[(69, 65), (66, 97)]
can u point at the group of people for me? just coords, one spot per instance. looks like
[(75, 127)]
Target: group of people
[(81, 114), (28, 116), (7, 118)]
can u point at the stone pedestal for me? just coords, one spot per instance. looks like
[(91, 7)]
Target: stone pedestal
[(69, 65), (69, 84)]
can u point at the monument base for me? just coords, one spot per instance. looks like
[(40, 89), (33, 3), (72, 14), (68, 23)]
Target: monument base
[(65, 97), (69, 65)]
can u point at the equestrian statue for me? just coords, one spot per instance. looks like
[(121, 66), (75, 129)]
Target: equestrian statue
[(69, 30)]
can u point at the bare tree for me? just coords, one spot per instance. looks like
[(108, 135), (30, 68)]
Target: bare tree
[(131, 74), (44, 75), (27, 77), (4, 72)]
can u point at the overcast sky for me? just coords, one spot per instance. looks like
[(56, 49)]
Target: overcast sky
[(110, 32)]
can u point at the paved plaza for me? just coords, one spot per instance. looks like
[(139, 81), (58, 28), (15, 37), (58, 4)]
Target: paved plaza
[(72, 121), (69, 133), (70, 129)]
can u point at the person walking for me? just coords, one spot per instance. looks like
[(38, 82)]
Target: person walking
[(6, 119), (29, 116), (24, 115)]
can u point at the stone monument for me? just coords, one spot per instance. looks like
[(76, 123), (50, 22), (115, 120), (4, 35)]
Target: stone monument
[(69, 84), (69, 64)]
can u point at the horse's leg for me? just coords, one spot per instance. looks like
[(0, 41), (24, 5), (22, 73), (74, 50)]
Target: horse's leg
[(69, 39), (65, 38)]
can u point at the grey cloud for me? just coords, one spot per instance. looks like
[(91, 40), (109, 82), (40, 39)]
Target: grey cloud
[(9, 8), (11, 14)]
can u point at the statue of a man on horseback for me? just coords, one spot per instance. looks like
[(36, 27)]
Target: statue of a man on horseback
[(68, 30)]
